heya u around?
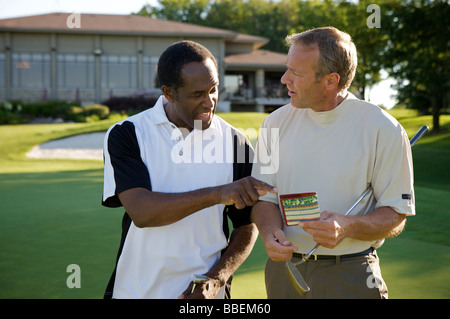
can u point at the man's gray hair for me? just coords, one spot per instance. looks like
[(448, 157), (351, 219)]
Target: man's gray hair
[(337, 52)]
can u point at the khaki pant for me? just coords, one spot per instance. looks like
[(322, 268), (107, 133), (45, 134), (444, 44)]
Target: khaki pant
[(355, 277)]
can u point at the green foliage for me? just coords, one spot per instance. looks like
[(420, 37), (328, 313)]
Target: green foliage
[(74, 113), (101, 111), (52, 108), (17, 112), (10, 113), (130, 104), (418, 52), (189, 11)]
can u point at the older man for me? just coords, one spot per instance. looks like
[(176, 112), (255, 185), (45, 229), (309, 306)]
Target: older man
[(335, 145)]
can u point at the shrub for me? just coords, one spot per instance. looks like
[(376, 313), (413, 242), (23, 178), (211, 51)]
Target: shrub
[(92, 118), (75, 113), (10, 113), (17, 112), (101, 111), (53, 108), (130, 104)]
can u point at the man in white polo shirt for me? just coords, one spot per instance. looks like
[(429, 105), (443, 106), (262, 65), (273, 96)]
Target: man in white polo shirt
[(179, 171), (335, 145)]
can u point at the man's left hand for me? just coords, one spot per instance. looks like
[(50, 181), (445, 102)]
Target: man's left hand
[(328, 231), (207, 290)]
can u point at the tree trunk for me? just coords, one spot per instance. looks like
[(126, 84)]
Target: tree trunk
[(435, 108)]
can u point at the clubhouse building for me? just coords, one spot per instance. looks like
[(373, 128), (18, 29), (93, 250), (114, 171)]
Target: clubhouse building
[(92, 57)]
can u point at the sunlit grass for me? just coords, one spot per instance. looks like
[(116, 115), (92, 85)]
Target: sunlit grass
[(50, 217)]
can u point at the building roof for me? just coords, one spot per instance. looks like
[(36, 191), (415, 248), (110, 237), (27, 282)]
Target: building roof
[(140, 25), (109, 24), (252, 39), (256, 59)]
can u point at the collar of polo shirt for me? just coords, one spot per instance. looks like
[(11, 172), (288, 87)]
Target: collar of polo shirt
[(160, 116)]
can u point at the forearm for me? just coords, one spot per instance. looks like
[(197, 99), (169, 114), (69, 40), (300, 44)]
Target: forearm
[(266, 217), (332, 228), (383, 222), (241, 244), (152, 209)]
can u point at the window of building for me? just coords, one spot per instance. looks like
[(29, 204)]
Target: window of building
[(119, 71), (149, 73), (236, 86), (2, 70), (31, 70), (75, 70)]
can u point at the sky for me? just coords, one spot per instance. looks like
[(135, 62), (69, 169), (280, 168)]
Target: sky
[(382, 93), (379, 94), (20, 8)]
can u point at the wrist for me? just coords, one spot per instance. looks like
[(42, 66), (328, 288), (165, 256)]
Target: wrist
[(268, 234), (215, 195), (348, 226), (217, 279)]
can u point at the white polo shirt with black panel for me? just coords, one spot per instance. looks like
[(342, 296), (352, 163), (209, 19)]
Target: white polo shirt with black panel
[(147, 150)]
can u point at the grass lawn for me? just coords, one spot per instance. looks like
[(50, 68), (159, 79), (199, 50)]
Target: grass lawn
[(51, 217)]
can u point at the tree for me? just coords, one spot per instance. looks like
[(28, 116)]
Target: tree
[(369, 41), (417, 54), (269, 19), (350, 17), (188, 11)]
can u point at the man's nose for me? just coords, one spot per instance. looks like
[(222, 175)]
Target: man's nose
[(284, 79)]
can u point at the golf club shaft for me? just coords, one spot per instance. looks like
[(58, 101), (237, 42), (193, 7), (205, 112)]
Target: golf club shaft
[(306, 257), (418, 135)]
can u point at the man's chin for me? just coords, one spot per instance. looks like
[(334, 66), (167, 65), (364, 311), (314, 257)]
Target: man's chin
[(203, 125), (293, 102), (297, 104), (207, 124)]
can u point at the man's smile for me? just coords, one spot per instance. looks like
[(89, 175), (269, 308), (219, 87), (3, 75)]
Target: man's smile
[(205, 116)]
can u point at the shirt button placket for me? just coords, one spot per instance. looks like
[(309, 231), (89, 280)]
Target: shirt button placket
[(178, 138)]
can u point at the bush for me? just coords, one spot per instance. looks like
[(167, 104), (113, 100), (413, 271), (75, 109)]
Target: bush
[(102, 111), (17, 112), (92, 118), (52, 108), (9, 113), (129, 104), (75, 113)]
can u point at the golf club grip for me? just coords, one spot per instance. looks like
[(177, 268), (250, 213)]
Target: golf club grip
[(418, 135)]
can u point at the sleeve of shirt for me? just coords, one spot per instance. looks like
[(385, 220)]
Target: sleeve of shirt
[(393, 180), (242, 167), (265, 165), (124, 168)]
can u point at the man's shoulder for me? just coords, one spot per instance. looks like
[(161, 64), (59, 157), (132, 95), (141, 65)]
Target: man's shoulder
[(375, 120), (281, 114)]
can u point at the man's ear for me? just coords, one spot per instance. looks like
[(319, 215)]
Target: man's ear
[(332, 80), (169, 94)]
